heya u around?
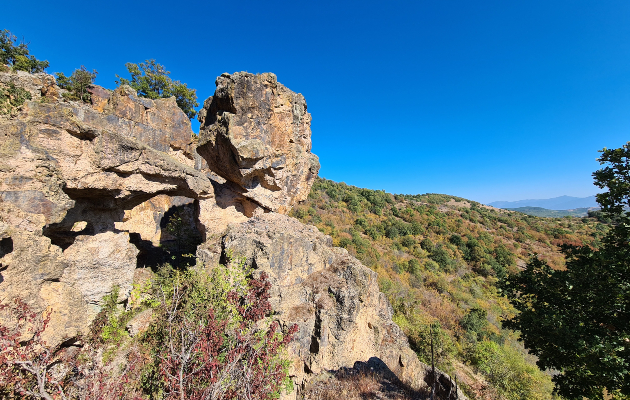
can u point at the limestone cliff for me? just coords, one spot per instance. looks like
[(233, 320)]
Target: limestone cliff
[(85, 190)]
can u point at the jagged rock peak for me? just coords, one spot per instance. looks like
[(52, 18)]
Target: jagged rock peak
[(256, 133)]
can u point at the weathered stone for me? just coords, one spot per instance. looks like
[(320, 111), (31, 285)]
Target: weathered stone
[(142, 117), (87, 190), (256, 133), (140, 322), (115, 267), (68, 173), (335, 300), (38, 85)]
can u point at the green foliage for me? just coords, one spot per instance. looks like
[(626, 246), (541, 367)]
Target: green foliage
[(407, 241), (509, 375), (442, 257), (578, 320), (17, 56), (475, 322), (401, 236), (12, 97), (77, 83), (413, 266), (152, 80), (213, 334)]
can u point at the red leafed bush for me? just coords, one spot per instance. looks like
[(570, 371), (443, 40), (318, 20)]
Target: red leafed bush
[(212, 338), (215, 341), (25, 358)]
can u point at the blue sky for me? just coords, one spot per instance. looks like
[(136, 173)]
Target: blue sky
[(487, 100)]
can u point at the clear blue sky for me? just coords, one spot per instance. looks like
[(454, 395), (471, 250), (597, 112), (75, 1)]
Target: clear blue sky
[(487, 100)]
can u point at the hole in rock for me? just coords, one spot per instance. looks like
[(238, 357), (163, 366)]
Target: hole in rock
[(307, 370), (64, 236), (164, 229), (314, 347), (6, 246), (317, 333)]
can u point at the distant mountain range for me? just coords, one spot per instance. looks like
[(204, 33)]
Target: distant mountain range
[(557, 203)]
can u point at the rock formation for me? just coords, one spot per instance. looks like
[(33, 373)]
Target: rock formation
[(68, 172), (86, 192), (256, 133), (334, 299)]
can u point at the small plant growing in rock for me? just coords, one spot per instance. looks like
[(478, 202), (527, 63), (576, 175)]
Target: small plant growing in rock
[(17, 56), (77, 84), (12, 97)]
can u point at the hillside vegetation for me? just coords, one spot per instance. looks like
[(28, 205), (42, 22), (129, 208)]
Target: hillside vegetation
[(544, 212), (439, 258)]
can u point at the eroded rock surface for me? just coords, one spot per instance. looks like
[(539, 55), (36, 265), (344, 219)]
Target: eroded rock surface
[(334, 299), (86, 191), (256, 133), (68, 173)]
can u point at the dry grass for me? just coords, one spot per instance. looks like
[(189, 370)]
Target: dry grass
[(359, 384)]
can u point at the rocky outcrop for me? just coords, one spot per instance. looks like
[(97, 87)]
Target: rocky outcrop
[(68, 173), (335, 300), (87, 193), (256, 133)]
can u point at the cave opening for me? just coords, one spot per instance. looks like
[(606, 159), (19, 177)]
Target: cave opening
[(6, 246), (163, 228)]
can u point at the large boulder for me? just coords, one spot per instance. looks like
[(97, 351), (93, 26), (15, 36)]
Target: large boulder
[(342, 316), (256, 133)]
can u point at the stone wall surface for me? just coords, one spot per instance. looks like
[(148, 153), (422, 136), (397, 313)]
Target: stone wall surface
[(68, 173)]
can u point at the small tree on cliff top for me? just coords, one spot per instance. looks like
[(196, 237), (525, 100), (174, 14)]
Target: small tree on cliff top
[(77, 83), (577, 321), (17, 55), (152, 80)]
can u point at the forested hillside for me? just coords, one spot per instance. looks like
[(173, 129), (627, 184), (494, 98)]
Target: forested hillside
[(439, 259)]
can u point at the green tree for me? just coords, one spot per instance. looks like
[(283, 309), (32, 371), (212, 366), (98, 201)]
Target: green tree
[(577, 320), (77, 83), (17, 55), (152, 80)]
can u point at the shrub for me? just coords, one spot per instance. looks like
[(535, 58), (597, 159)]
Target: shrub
[(506, 370), (25, 358), (427, 244), (77, 83), (12, 97), (408, 241), (152, 80), (212, 337), (413, 266), (17, 56), (442, 257), (475, 322)]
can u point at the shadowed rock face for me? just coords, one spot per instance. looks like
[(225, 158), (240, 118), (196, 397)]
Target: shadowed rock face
[(256, 133)]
